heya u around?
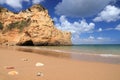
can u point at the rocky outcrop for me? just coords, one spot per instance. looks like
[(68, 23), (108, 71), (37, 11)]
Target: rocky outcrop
[(30, 27)]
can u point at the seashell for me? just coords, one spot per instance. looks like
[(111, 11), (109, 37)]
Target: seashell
[(13, 73), (40, 74), (39, 64)]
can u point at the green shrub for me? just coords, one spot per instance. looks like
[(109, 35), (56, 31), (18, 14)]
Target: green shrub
[(1, 26), (3, 9), (12, 25), (18, 24)]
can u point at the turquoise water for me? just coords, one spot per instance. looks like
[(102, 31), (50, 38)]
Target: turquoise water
[(86, 49), (101, 53), (99, 49)]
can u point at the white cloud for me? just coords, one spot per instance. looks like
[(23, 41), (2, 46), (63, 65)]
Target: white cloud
[(76, 27), (110, 13), (79, 27), (37, 1), (109, 29), (14, 4), (100, 38), (17, 4), (80, 8), (2, 1), (91, 40), (118, 27), (100, 29)]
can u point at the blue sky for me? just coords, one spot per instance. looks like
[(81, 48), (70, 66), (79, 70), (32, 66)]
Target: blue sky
[(89, 21)]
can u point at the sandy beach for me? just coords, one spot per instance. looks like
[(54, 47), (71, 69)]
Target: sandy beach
[(24, 63)]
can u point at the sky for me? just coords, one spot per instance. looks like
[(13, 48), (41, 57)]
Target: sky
[(89, 21)]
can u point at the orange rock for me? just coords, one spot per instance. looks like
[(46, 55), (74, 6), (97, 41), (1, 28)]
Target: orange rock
[(32, 27)]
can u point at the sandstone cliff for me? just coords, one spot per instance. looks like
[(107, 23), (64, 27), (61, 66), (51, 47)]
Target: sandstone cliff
[(30, 27)]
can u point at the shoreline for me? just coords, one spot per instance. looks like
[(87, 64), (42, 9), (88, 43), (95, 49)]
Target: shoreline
[(55, 68), (92, 57)]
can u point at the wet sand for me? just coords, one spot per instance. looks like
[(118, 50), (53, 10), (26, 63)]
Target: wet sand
[(54, 68)]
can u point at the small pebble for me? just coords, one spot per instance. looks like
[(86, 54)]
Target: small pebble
[(24, 59), (39, 64), (13, 73), (40, 74), (10, 67)]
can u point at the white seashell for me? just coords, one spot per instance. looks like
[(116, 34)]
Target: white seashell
[(39, 64), (13, 73)]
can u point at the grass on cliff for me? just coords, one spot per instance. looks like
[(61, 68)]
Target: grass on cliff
[(3, 9), (1, 26), (18, 25)]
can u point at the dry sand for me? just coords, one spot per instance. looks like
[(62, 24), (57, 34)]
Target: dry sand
[(54, 68)]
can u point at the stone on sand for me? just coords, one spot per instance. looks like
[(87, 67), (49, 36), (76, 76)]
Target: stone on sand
[(38, 64), (40, 74), (13, 73), (9, 67)]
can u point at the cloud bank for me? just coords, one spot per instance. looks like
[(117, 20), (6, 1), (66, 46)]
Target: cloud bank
[(17, 4), (80, 8), (109, 29), (76, 27), (91, 40), (118, 27), (110, 13), (37, 1)]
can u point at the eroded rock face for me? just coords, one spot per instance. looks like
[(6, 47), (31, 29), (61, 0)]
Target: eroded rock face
[(30, 27)]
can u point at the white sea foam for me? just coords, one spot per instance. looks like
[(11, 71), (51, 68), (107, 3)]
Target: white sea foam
[(109, 55), (63, 51)]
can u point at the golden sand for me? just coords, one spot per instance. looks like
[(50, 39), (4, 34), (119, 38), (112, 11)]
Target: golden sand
[(54, 68)]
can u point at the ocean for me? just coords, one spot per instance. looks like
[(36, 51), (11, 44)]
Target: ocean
[(113, 49), (93, 52)]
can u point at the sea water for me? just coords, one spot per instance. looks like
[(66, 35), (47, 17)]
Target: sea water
[(109, 53), (113, 49), (93, 52)]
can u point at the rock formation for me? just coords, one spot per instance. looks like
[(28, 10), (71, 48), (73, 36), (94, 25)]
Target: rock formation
[(30, 27)]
